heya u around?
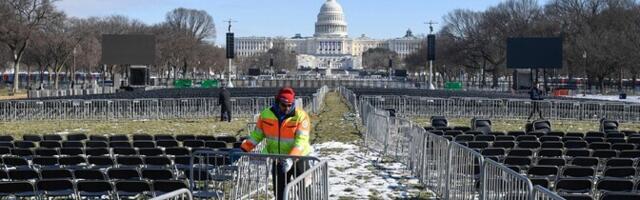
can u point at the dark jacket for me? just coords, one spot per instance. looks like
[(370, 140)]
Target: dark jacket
[(224, 98), (535, 94)]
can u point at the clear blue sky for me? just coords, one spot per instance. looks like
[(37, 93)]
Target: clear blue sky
[(376, 18)]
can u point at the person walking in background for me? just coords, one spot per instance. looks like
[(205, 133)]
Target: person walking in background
[(286, 129), (224, 101), (536, 96)]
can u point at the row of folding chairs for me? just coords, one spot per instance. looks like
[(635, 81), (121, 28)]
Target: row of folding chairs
[(138, 144), (457, 131), (102, 151), (501, 152), (545, 138), (102, 162), (119, 137), (113, 173), (585, 188), (81, 189)]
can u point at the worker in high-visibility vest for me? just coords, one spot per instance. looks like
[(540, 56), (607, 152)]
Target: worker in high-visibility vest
[(286, 129)]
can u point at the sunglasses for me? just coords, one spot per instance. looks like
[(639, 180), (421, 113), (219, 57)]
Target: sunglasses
[(285, 105)]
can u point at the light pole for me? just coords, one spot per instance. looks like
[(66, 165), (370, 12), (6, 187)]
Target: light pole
[(584, 57), (73, 69)]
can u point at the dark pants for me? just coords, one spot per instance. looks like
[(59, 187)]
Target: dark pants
[(280, 179), (536, 108), (225, 112)]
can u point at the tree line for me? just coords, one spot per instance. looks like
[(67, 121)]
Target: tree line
[(37, 37), (600, 39)]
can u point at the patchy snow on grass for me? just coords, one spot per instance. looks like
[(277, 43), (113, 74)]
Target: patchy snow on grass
[(356, 174), (632, 99)]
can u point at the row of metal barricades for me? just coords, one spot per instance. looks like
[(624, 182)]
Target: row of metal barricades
[(232, 175), (315, 104), (452, 171), (506, 108), (125, 109), (69, 92), (354, 83)]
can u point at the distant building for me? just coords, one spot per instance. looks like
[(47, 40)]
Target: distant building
[(330, 47)]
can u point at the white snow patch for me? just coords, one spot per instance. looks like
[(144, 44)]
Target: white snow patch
[(354, 173), (632, 99)]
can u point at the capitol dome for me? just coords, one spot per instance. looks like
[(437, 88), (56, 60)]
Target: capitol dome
[(331, 22)]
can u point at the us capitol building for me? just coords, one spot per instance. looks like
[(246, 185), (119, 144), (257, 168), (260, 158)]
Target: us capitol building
[(330, 47)]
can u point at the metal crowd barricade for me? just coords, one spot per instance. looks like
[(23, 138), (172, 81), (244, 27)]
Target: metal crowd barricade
[(235, 175), (633, 113), (435, 161), (464, 174), (377, 132), (500, 182), (416, 152), (565, 110), (311, 185), (541, 193), (590, 111), (476, 107), (398, 138), (613, 111), (177, 194)]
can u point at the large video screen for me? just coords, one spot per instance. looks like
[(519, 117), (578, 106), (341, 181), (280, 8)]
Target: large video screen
[(128, 49), (534, 52)]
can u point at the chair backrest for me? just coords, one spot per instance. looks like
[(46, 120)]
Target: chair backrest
[(76, 137), (77, 144), (50, 144), (481, 124), (136, 186), (574, 185), (619, 172), (52, 137), (577, 152), (157, 174), (575, 171), (56, 174), (620, 162), (113, 138), (54, 185), (142, 137), (43, 161), (94, 186), (163, 137), (552, 145), (620, 196), (144, 144), (33, 138), (585, 161), (72, 160), (15, 187), (167, 143), (89, 174), (541, 170), (123, 173), (23, 174), (559, 162), (129, 160), (157, 160), (98, 151), (614, 185), (150, 151), (185, 137), (101, 161)]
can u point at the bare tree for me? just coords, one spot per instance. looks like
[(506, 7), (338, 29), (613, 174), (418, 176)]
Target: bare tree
[(20, 19), (196, 24)]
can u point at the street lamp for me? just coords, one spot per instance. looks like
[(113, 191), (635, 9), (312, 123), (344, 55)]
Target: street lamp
[(73, 71), (584, 57)]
